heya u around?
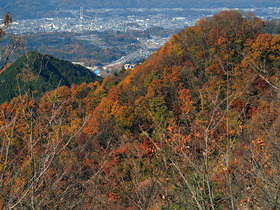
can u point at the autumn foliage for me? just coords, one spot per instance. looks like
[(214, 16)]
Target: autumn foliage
[(194, 127)]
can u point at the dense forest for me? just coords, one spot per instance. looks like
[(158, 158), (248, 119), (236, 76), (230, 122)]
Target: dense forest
[(194, 127), (34, 73)]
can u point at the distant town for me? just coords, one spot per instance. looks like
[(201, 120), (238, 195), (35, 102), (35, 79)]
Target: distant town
[(104, 20), (125, 20)]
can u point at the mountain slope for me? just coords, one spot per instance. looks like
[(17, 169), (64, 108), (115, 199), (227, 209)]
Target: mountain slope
[(40, 73), (194, 127)]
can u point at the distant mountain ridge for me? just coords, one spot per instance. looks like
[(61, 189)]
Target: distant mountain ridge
[(31, 8), (39, 73)]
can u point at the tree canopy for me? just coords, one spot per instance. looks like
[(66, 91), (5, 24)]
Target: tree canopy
[(40, 73), (194, 127)]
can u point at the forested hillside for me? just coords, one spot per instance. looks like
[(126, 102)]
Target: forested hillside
[(38, 73), (194, 127)]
